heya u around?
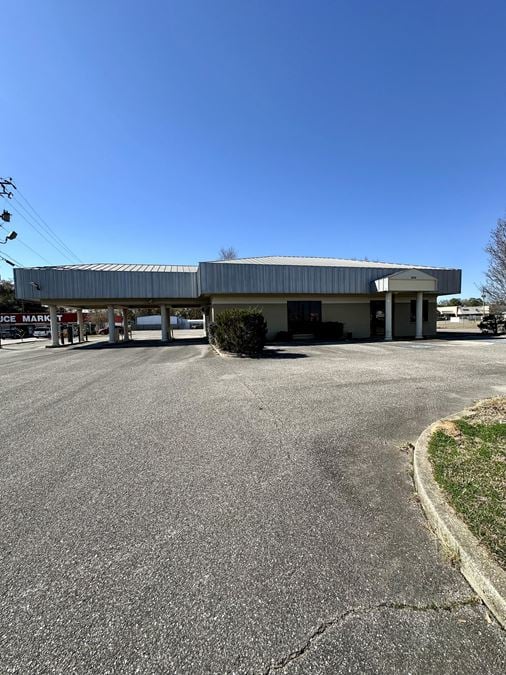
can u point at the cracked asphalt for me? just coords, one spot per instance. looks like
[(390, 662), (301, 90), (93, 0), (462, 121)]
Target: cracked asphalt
[(166, 510)]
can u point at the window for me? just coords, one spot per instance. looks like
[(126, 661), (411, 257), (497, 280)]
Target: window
[(303, 315), (412, 311)]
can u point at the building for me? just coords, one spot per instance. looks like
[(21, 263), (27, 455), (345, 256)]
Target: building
[(370, 299), (154, 322), (460, 313)]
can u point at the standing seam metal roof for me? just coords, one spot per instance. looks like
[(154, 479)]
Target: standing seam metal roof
[(309, 261), (120, 267)]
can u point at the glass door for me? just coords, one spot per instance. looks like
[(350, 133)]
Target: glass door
[(377, 318)]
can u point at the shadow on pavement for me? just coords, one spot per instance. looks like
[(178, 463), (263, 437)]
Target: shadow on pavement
[(281, 354), (132, 344), (450, 335)]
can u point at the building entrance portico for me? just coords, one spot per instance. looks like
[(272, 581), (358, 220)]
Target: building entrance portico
[(404, 285)]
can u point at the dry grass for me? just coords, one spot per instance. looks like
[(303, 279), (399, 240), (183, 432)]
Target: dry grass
[(469, 462)]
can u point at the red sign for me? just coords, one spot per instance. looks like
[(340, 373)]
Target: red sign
[(29, 318)]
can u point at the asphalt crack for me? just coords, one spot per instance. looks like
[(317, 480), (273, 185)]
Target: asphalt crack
[(262, 405), (336, 621)]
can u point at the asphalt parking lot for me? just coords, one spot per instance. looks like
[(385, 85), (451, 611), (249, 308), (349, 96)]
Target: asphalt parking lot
[(166, 510)]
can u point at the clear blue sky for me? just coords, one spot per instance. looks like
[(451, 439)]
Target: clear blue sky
[(159, 131)]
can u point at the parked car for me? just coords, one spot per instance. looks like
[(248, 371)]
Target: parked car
[(11, 333), (105, 331), (41, 332)]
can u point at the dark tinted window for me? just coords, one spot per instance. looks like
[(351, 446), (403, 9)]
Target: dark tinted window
[(303, 314)]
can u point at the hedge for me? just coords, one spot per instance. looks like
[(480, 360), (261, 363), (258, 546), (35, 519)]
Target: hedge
[(240, 331)]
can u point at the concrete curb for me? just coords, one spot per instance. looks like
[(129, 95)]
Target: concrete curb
[(234, 355), (484, 575)]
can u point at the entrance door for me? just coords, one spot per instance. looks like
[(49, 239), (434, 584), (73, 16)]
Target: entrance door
[(377, 318), (304, 316)]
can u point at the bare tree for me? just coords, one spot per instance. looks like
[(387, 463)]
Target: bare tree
[(494, 288), (228, 253)]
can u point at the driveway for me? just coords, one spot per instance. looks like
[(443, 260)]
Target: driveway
[(165, 510)]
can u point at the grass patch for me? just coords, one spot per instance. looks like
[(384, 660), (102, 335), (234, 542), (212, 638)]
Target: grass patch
[(469, 463)]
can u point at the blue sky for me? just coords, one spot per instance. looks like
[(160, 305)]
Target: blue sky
[(159, 131)]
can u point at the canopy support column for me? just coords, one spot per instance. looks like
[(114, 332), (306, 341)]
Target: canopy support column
[(126, 336), (53, 319), (80, 323), (165, 323), (112, 324), (419, 316), (388, 316)]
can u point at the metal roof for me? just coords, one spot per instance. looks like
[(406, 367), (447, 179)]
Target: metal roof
[(122, 267), (266, 275), (320, 262), (307, 261)]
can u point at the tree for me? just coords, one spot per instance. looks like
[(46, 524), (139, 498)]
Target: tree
[(473, 302), (494, 288), (189, 313), (9, 303), (452, 302), (228, 253)]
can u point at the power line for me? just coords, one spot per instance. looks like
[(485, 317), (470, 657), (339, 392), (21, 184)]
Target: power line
[(28, 247), (20, 241), (36, 227), (31, 220), (11, 260), (44, 223)]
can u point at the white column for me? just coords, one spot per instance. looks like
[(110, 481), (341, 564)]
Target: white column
[(80, 322), (53, 318), (204, 322), (126, 337), (165, 324), (388, 315), (112, 324), (419, 316)]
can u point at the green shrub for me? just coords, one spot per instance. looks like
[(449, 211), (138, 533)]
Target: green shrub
[(241, 331)]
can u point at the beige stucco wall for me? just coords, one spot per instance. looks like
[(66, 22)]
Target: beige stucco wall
[(403, 327), (355, 316), (275, 314), (352, 311)]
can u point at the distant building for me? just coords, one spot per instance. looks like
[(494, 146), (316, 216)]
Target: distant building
[(458, 313), (154, 322)]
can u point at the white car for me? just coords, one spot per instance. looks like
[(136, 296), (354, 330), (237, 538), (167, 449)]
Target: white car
[(42, 332)]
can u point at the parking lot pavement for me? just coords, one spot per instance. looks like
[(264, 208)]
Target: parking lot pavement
[(165, 510), (16, 341)]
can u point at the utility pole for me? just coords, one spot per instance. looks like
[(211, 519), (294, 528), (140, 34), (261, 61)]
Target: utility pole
[(5, 187), (6, 190)]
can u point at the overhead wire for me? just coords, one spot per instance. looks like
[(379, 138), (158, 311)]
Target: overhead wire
[(44, 223), (10, 258), (30, 220), (20, 241)]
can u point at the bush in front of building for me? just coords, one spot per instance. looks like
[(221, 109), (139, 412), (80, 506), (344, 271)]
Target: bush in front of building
[(240, 331)]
